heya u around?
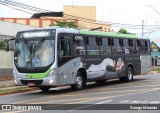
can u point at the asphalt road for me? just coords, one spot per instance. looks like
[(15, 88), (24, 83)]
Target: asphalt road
[(145, 89)]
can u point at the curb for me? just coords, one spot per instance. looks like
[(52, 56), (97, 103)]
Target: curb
[(18, 91), (5, 79), (7, 85)]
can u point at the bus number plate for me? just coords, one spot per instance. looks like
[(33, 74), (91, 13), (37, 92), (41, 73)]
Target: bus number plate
[(31, 84)]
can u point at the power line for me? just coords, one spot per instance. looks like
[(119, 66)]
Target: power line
[(16, 8), (32, 8), (23, 7)]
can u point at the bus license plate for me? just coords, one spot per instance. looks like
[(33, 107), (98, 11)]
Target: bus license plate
[(31, 84)]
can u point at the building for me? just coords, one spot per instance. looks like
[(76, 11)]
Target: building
[(86, 17), (83, 16)]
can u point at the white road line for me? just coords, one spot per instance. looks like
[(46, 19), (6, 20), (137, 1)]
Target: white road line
[(81, 107), (90, 105), (104, 102)]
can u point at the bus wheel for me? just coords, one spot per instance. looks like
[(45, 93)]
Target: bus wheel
[(129, 76), (80, 82), (44, 88)]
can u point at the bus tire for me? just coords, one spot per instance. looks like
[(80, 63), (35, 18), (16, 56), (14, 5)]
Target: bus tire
[(129, 76), (80, 82), (44, 88)]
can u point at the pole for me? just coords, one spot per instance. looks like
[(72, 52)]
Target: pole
[(142, 27)]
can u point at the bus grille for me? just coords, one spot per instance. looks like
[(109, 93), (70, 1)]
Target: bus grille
[(37, 82)]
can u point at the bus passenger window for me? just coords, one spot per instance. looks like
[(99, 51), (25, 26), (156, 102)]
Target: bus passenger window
[(79, 45), (116, 49), (138, 43), (93, 48), (105, 49), (136, 47), (121, 42), (110, 42)]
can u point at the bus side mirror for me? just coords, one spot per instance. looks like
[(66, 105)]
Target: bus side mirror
[(7, 48)]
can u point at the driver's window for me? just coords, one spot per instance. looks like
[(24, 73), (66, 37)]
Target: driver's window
[(65, 48)]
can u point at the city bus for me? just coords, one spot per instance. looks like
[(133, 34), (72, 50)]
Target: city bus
[(56, 56)]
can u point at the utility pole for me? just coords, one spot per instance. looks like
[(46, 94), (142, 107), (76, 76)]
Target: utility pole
[(142, 27)]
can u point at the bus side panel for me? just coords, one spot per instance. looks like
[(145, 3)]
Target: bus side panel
[(92, 64), (104, 67), (134, 60), (68, 70), (145, 63), (110, 66)]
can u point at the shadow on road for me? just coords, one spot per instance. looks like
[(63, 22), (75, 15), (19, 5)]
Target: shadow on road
[(90, 86)]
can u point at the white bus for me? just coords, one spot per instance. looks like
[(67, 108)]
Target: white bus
[(57, 56)]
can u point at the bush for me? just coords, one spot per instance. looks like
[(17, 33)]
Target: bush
[(3, 44)]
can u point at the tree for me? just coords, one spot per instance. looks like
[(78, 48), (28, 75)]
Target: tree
[(65, 24), (123, 31)]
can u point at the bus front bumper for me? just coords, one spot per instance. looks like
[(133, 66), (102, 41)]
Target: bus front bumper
[(37, 82)]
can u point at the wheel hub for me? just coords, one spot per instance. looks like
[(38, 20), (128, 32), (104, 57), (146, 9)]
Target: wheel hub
[(79, 81)]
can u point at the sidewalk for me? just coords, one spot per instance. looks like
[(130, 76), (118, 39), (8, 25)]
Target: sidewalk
[(9, 87), (7, 83)]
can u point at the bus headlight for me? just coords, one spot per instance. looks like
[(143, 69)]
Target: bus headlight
[(51, 81)]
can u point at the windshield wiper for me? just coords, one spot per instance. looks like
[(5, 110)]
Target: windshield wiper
[(39, 44)]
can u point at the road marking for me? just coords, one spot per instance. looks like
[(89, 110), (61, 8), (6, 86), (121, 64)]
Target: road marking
[(115, 97), (91, 105), (87, 95), (99, 98), (104, 102), (128, 87), (79, 92), (75, 94), (120, 95), (138, 102)]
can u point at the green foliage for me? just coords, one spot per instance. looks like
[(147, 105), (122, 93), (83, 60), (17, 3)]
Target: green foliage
[(2, 44), (64, 24), (123, 31), (156, 69)]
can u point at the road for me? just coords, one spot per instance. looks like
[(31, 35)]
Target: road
[(145, 89)]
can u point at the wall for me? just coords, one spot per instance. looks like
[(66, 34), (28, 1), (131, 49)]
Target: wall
[(6, 63), (37, 22), (10, 29)]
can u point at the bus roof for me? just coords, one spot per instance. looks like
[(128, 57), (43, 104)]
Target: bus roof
[(110, 34)]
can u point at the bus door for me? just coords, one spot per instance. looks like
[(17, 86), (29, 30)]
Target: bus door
[(64, 59)]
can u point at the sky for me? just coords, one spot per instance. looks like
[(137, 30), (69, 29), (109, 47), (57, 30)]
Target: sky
[(130, 12)]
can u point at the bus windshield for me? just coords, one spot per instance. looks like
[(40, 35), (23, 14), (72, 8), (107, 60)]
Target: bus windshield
[(34, 53)]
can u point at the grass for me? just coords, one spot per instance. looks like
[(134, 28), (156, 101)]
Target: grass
[(13, 89), (17, 89), (156, 69)]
